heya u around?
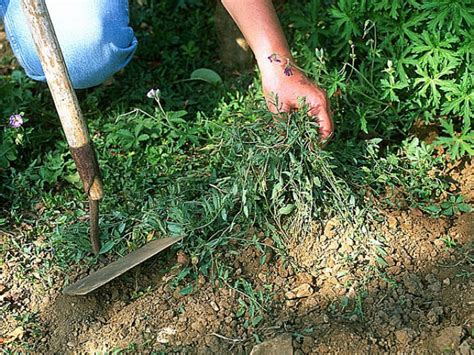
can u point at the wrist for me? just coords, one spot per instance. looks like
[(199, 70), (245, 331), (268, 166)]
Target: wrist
[(276, 66)]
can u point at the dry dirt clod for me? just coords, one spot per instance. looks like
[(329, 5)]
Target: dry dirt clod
[(448, 338), (281, 345), (182, 258), (467, 347), (405, 336), (302, 291)]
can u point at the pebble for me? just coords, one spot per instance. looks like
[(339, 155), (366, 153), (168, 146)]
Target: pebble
[(392, 222), (281, 345), (214, 306)]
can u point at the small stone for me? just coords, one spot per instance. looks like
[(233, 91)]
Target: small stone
[(214, 306), (182, 258), (392, 222), (197, 326), (434, 315), (447, 282), (281, 345), (70, 344), (405, 336), (354, 318)]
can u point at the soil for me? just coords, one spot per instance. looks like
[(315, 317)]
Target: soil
[(419, 301), (6, 52)]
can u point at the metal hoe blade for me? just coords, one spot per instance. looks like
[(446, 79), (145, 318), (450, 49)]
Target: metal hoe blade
[(118, 267)]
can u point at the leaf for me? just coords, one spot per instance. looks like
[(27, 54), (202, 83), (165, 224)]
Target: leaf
[(381, 261), (207, 75), (257, 320), (186, 290), (73, 178), (286, 209), (464, 207), (175, 229), (107, 247), (432, 209)]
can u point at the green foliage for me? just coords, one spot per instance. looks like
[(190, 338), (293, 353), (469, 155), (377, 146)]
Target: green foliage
[(387, 64), (454, 205), (251, 302), (457, 144)]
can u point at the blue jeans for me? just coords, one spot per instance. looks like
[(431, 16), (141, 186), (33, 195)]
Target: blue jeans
[(94, 36)]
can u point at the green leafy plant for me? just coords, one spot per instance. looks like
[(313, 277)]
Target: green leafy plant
[(457, 144)]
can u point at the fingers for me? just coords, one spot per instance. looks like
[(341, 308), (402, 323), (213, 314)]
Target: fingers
[(319, 108), (277, 107), (323, 116)]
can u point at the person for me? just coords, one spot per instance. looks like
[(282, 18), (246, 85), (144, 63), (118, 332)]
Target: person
[(97, 41)]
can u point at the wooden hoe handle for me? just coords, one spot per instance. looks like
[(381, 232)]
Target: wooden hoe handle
[(67, 106)]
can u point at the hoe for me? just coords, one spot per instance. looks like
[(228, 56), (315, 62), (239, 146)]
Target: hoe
[(80, 146)]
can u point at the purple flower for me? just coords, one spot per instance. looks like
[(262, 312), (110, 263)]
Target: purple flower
[(16, 121), (288, 71), (274, 57)]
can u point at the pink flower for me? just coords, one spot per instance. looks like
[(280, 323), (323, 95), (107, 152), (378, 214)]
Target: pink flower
[(16, 121)]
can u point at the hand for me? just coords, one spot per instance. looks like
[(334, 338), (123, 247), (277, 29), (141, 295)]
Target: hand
[(288, 88)]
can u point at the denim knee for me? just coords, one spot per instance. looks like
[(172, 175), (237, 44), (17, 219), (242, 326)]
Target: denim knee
[(94, 36)]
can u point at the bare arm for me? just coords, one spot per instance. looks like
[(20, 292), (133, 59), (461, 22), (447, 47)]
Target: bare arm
[(259, 24)]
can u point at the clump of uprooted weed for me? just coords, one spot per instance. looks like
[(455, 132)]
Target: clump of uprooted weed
[(275, 172), (266, 173)]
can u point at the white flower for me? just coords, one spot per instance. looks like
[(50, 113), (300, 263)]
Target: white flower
[(153, 93)]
